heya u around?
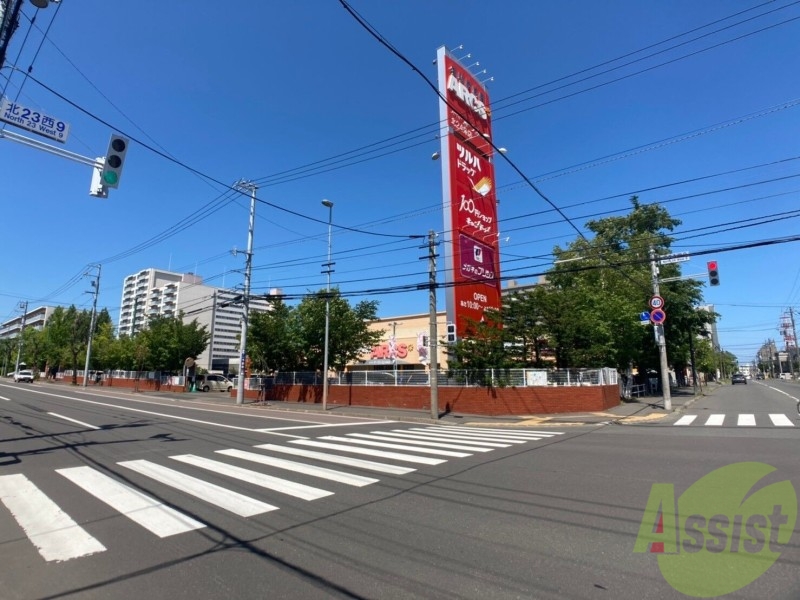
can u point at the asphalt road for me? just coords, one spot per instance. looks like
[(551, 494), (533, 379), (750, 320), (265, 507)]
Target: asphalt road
[(107, 495)]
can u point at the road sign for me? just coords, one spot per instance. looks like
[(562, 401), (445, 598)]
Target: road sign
[(644, 316), (656, 302), (33, 120), (674, 258), (658, 316)]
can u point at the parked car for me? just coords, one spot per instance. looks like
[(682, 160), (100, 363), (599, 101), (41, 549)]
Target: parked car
[(760, 376), (738, 378), (215, 383), (25, 376)]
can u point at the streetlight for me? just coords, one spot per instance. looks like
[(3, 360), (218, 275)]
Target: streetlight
[(328, 268)]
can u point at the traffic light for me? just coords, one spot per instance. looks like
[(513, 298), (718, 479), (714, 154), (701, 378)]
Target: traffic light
[(451, 333), (115, 160), (425, 341), (713, 273)]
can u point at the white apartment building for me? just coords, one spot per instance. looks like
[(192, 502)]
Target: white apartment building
[(153, 292), (35, 318)]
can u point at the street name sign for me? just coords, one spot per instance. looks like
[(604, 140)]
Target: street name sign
[(33, 120), (674, 258)]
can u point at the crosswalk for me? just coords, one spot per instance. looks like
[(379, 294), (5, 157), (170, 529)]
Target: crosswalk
[(58, 537), (738, 420)]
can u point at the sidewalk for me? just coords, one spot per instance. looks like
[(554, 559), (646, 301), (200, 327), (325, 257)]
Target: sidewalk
[(639, 410)]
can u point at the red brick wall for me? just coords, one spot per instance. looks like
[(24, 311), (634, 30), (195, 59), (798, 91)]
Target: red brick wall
[(470, 400)]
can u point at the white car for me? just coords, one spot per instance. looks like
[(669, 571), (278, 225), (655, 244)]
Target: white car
[(25, 375)]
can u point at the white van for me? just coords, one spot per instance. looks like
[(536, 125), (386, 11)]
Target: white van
[(213, 383)]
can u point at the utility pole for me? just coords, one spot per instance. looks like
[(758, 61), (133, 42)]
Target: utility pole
[(432, 328), (24, 307), (794, 337), (661, 339), (251, 187), (394, 350), (96, 286)]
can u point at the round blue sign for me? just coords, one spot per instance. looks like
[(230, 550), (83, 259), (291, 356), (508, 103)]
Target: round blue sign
[(658, 316)]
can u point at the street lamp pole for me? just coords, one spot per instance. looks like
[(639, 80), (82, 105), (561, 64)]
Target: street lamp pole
[(328, 268)]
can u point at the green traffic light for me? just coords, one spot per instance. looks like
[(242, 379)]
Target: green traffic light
[(110, 178)]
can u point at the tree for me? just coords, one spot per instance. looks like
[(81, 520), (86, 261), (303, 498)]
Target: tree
[(349, 333), (168, 342), (481, 348), (273, 340)]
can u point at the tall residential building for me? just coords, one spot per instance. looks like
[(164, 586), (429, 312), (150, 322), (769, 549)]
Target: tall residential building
[(35, 318), (152, 292)]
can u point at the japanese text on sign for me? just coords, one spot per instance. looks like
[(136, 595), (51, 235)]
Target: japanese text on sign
[(33, 120)]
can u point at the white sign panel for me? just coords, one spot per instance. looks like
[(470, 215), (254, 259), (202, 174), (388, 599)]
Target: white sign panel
[(33, 120), (674, 258)]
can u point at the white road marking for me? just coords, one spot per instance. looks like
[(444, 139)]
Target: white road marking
[(74, 421), (151, 514), (746, 420), (281, 463), (406, 446), (424, 460), (284, 486), (419, 440), (780, 420), (270, 430), (237, 503), (340, 460), (431, 435), (524, 433), (472, 437), (715, 420), (4, 398), (55, 535), (685, 420)]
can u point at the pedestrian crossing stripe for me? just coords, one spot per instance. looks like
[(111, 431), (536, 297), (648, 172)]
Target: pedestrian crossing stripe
[(742, 420), (57, 537)]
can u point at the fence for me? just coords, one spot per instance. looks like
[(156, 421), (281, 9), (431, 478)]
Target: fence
[(487, 378)]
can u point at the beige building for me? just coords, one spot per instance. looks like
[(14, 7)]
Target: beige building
[(405, 344)]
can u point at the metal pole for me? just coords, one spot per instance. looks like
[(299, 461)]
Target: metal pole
[(433, 333), (328, 269), (24, 307), (394, 350), (794, 337), (661, 339), (96, 285), (251, 187)]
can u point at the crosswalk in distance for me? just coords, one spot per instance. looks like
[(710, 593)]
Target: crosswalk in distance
[(58, 537), (736, 420)]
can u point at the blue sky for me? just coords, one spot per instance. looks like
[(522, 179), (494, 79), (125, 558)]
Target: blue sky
[(298, 98)]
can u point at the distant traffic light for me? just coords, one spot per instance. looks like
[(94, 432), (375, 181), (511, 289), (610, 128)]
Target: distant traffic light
[(451, 333), (713, 273), (115, 160)]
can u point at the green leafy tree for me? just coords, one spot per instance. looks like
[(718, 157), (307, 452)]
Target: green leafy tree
[(349, 333), (273, 339), (168, 341), (481, 349)]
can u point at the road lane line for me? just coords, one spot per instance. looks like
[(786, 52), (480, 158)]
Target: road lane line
[(56, 536), (388, 436), (423, 460), (151, 514), (290, 465), (284, 486), (685, 420), (74, 421), (431, 435), (406, 445), (359, 463), (473, 437), (271, 429), (780, 420), (4, 398), (746, 420), (503, 432), (715, 420), (234, 502)]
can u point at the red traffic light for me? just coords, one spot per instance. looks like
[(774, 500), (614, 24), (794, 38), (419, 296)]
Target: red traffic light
[(712, 265)]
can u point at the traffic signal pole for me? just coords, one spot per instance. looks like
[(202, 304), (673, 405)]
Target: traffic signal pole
[(251, 187), (661, 339)]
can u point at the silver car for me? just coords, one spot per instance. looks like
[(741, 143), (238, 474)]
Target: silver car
[(25, 375), (213, 383)]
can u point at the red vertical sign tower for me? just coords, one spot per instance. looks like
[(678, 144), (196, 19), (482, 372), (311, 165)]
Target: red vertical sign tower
[(471, 240)]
